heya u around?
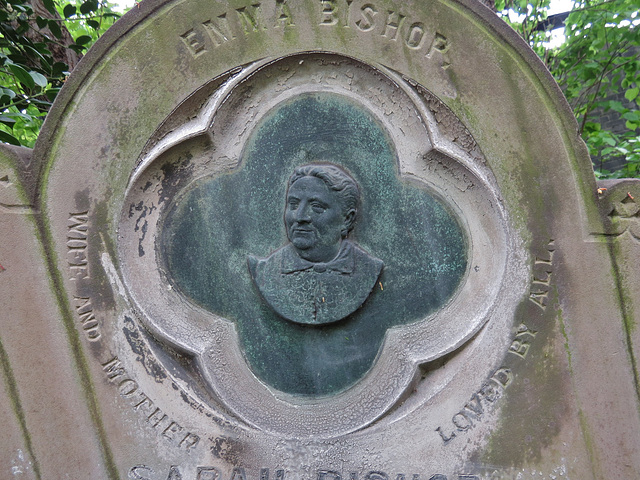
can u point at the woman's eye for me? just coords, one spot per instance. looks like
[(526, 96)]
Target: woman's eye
[(318, 208)]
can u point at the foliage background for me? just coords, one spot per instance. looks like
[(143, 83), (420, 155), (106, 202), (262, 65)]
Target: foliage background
[(597, 66), (41, 41)]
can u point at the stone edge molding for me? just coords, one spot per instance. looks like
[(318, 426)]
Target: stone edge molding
[(213, 341)]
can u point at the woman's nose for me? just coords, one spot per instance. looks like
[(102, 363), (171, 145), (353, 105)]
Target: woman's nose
[(302, 213)]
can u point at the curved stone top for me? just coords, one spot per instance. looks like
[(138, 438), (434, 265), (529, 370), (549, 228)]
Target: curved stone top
[(156, 124)]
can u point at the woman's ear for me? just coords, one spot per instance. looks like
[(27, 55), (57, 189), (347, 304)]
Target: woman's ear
[(349, 220)]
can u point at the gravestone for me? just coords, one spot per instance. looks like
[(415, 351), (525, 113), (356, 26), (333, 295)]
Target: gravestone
[(323, 240)]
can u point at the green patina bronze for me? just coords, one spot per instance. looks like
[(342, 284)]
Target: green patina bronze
[(220, 222), (320, 276)]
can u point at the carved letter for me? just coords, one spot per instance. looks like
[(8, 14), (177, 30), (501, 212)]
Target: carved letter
[(136, 472), (415, 36), (144, 400), (474, 407), (376, 476), (189, 441), (127, 387), (519, 348), (539, 299), (171, 429), (78, 225), (524, 330), (439, 44), (219, 32), (238, 474), (542, 261), (490, 392), (88, 320), (348, 19), (444, 438), (113, 368), (78, 271), (543, 277), (393, 24), (83, 305), (502, 377), (367, 22), (331, 474), (250, 22), (283, 14), (328, 14), (207, 473), (77, 258), (174, 473), (461, 421), (190, 39), (156, 421)]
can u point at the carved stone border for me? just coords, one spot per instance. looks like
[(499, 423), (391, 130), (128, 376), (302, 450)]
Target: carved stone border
[(425, 155)]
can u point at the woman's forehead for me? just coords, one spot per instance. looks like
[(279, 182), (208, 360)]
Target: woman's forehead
[(311, 185)]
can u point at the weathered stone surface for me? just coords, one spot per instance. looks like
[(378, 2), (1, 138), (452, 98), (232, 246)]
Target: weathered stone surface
[(53, 427), (498, 342)]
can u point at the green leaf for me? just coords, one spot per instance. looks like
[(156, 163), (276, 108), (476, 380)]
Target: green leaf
[(610, 141), (59, 68), (7, 91), (55, 28), (42, 48), (50, 5), (88, 7), (7, 138), (18, 116), (39, 79), (617, 106), (41, 22), (37, 101), (36, 54), (93, 24), (7, 120), (631, 94), (52, 93), (69, 10), (22, 75), (77, 48), (83, 40)]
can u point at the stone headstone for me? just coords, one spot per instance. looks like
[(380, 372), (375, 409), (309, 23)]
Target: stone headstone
[(319, 240)]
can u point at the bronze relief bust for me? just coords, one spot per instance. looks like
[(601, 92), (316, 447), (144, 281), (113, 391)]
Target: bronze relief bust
[(320, 276)]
